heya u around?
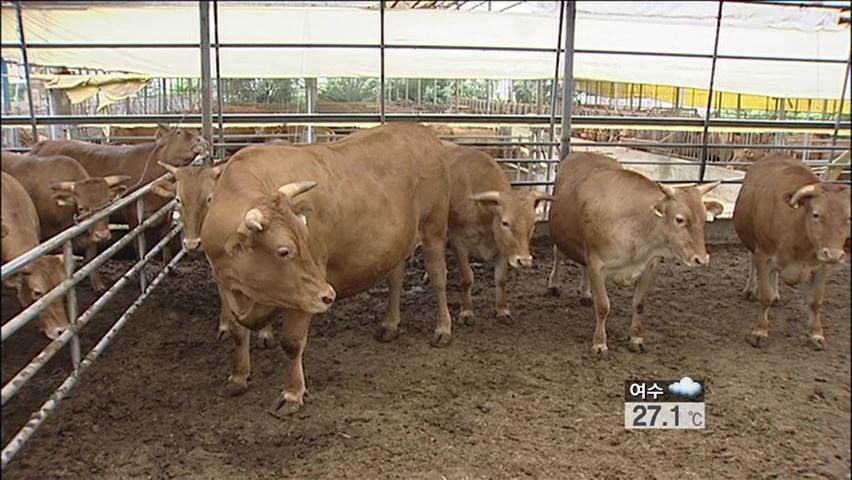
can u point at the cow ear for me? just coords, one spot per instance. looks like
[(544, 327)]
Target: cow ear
[(714, 207), (162, 131), (164, 189), (217, 169), (14, 282), (117, 191), (541, 197), (800, 197), (239, 242), (64, 199), (659, 210), (4, 229)]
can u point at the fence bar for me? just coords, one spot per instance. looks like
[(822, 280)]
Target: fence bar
[(553, 94), (358, 118), (71, 300), (37, 419), (15, 324), (22, 377), (219, 100), (705, 152), (140, 240), (12, 266), (842, 96), (206, 105), (25, 58), (568, 79), (382, 61)]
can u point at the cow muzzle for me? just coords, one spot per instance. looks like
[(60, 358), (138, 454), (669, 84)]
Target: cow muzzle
[(831, 255), (517, 261), (101, 236), (191, 244), (699, 260), (54, 332)]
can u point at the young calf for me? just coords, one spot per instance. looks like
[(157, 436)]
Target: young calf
[(193, 188), (619, 224), (19, 233), (488, 219)]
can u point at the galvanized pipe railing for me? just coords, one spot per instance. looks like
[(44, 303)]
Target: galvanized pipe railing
[(12, 386), (40, 415), (29, 313)]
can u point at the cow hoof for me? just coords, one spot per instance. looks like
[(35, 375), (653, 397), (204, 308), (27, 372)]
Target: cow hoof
[(758, 339), (466, 318), (554, 291), (600, 352), (232, 389), (283, 408), (441, 340), (98, 288), (636, 345), (817, 342), (748, 295), (384, 334), (505, 317), (775, 301), (220, 335), (586, 301)]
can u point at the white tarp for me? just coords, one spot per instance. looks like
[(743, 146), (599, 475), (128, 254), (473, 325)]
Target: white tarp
[(686, 27)]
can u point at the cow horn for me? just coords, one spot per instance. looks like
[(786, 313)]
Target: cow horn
[(667, 189), (705, 188), (489, 196), (64, 186), (114, 180), (804, 192), (293, 190), (254, 220), (169, 168)]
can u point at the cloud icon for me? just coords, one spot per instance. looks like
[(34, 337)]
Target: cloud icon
[(686, 387)]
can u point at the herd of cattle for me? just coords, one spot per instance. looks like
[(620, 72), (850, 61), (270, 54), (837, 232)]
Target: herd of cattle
[(289, 229)]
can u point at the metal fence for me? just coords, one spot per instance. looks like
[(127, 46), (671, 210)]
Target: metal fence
[(553, 130)]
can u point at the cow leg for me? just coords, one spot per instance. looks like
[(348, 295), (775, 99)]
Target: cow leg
[(238, 380), (585, 288), (225, 317), (163, 231), (294, 338), (750, 289), (501, 278), (553, 283), (601, 302), (434, 252), (776, 293), (466, 316), (389, 328), (816, 296), (640, 294), (760, 330), (265, 337), (95, 276)]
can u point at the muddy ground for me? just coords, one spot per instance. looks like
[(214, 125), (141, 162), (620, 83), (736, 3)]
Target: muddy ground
[(522, 401)]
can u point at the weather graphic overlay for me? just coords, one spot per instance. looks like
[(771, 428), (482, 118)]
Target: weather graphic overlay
[(666, 404)]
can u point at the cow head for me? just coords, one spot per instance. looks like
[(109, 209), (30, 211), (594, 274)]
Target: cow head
[(193, 189), (32, 282), (681, 215), (179, 146), (88, 196), (272, 244), (513, 222), (826, 209), (747, 155)]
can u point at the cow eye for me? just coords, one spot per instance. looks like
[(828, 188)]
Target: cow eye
[(37, 293), (283, 252), (680, 219), (505, 224), (209, 198), (177, 199), (816, 215)]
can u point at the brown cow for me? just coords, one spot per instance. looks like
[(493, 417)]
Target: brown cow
[(175, 146), (487, 219), (19, 233), (193, 188), (620, 224), (795, 225), (292, 228), (63, 194)]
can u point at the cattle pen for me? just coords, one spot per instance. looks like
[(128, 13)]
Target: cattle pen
[(526, 82)]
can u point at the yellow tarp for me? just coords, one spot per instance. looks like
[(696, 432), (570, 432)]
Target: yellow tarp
[(82, 87)]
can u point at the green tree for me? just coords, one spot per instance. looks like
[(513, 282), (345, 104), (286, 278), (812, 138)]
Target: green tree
[(349, 89)]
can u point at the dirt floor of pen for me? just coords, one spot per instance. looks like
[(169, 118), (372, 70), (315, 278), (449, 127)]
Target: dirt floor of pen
[(519, 401)]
